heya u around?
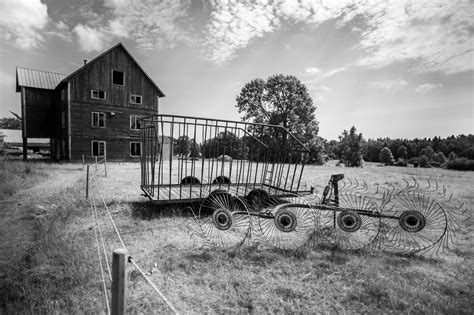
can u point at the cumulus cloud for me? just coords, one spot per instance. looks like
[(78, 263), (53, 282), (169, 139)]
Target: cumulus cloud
[(425, 88), (389, 85), (90, 39), (151, 24), (21, 21), (233, 24), (435, 33)]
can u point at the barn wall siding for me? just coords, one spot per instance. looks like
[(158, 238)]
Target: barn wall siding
[(40, 116)]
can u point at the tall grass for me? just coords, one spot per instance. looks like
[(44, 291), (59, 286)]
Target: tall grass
[(46, 262), (18, 174)]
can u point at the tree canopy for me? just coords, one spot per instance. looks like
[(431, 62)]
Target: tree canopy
[(282, 100)]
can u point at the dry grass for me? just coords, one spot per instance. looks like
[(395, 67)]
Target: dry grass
[(62, 272)]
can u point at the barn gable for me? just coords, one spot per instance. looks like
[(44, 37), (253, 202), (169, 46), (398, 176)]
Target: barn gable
[(118, 46)]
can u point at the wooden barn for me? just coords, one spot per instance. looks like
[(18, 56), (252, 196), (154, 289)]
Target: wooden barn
[(94, 111)]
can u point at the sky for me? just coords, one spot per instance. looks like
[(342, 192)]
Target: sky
[(398, 69)]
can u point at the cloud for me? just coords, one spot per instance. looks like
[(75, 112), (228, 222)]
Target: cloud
[(425, 88), (389, 85), (317, 72), (313, 70), (61, 30), (436, 34), (233, 25), (90, 39), (21, 21), (151, 24)]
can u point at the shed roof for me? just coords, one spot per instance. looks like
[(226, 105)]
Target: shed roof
[(37, 79)]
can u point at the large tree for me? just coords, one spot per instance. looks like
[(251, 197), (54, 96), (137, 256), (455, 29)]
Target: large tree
[(281, 100)]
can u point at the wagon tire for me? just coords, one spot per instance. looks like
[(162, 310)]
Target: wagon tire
[(221, 180), (189, 180), (258, 199)]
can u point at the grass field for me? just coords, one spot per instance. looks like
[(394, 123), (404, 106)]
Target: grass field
[(49, 262)]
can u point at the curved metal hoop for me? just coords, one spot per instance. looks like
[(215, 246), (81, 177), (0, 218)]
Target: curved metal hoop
[(287, 225), (421, 225), (356, 226), (223, 220)]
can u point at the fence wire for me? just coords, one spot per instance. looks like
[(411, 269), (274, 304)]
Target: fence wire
[(95, 216)]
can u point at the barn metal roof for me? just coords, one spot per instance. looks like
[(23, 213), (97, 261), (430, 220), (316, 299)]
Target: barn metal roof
[(37, 79)]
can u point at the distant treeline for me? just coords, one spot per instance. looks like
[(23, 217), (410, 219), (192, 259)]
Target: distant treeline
[(456, 152)]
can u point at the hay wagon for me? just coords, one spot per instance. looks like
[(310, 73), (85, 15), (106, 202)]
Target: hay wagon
[(185, 159)]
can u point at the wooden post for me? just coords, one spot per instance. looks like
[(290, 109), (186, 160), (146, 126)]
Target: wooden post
[(119, 281), (105, 166), (87, 183), (96, 163), (25, 149), (83, 161)]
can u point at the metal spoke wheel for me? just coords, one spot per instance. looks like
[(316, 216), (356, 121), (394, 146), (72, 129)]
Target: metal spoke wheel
[(421, 225), (223, 220), (288, 224), (356, 226)]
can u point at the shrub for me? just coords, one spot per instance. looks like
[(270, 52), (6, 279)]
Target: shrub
[(424, 161), (401, 162), (386, 156), (415, 161), (460, 164), (440, 158)]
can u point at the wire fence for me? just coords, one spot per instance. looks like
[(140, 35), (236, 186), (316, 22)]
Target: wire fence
[(96, 199)]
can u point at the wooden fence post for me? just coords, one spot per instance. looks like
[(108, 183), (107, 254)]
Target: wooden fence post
[(105, 165), (83, 161), (119, 281), (87, 183)]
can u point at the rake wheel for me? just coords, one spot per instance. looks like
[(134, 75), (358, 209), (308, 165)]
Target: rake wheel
[(422, 224), (287, 224), (355, 226), (223, 220)]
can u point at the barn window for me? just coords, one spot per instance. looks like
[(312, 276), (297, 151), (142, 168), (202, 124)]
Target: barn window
[(135, 148), (118, 77), (98, 148), (135, 99), (98, 120), (134, 122), (98, 94)]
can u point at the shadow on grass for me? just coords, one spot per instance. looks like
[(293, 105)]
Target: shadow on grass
[(150, 211)]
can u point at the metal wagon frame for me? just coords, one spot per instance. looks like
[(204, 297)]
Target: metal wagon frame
[(263, 158)]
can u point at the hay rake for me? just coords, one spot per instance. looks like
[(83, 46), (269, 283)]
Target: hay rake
[(406, 218)]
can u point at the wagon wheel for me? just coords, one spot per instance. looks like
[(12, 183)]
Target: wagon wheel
[(287, 225), (257, 199), (223, 220), (356, 226), (421, 225)]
